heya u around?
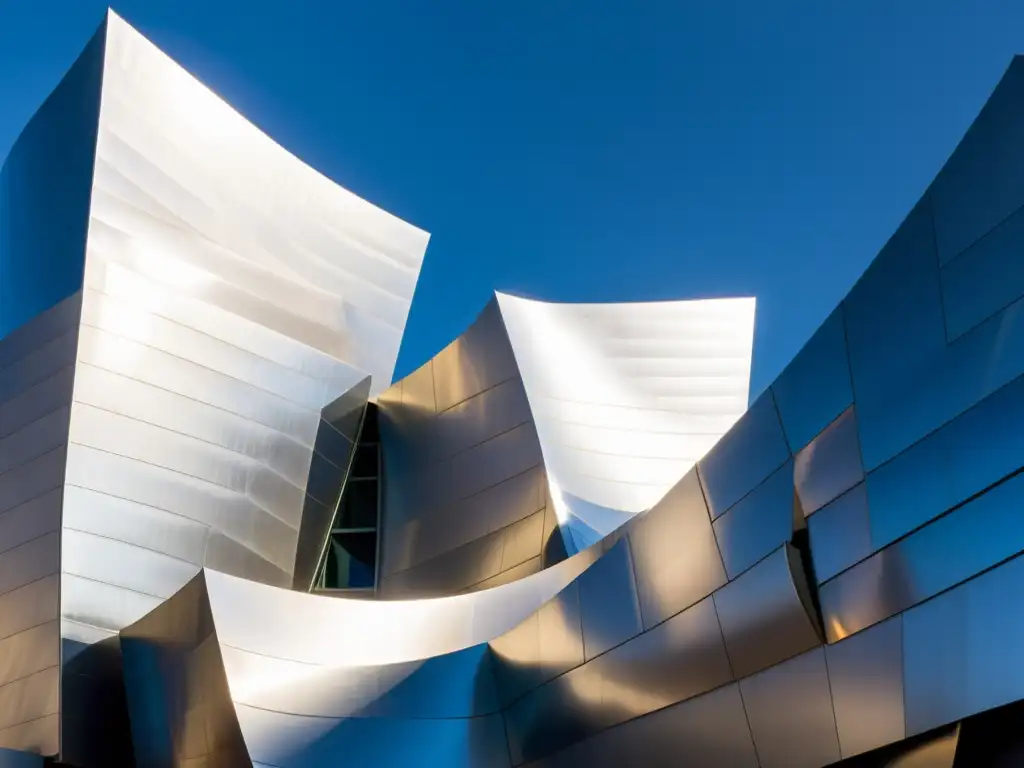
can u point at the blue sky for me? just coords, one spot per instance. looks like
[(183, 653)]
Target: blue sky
[(589, 151)]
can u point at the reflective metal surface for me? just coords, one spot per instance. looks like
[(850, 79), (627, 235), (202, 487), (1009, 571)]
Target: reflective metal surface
[(183, 429)]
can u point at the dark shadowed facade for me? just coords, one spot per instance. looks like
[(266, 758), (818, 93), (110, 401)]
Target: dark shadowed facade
[(228, 540)]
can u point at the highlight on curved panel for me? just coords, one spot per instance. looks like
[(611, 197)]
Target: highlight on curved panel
[(228, 539)]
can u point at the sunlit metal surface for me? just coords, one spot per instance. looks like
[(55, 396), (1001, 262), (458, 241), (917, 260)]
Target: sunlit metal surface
[(627, 397), (576, 570)]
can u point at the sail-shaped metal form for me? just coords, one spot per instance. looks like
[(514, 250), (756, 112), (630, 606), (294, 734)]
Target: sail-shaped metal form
[(591, 552)]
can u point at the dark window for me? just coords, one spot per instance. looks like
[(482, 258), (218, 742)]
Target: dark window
[(351, 561)]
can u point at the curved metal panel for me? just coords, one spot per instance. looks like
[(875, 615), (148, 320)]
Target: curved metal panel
[(866, 678), (790, 712), (675, 557), (627, 397), (764, 617)]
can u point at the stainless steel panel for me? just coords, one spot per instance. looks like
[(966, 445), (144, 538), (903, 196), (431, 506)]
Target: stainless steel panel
[(480, 358), (709, 731), (144, 526), (35, 439), (481, 417), (759, 524), (500, 458), (523, 540), (450, 572), (674, 553), (39, 736), (29, 606), (316, 526), (952, 549), (980, 184), (345, 413), (866, 676), (372, 742), (42, 363), (840, 533), (226, 554), (39, 400), (332, 445), (815, 387), (139, 325), (894, 328), (830, 465), (114, 433), (984, 279), (753, 449), (41, 329), (790, 713), (548, 643), (30, 651), (453, 685), (677, 660), (29, 698), (32, 479), (764, 618), (29, 562), (151, 366), (609, 604), (30, 520), (102, 605), (224, 511), (961, 651), (162, 408), (418, 389), (123, 565), (521, 571), (975, 450)]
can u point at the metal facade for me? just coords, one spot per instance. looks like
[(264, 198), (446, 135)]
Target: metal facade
[(575, 569)]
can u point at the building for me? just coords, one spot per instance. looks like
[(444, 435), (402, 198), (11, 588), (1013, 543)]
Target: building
[(227, 539)]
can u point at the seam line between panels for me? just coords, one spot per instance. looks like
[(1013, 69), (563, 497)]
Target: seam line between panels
[(40, 344), (948, 421), (39, 349), (981, 237), (636, 584), (486, 440), (302, 280), (183, 396), (26, 722), (365, 717), (62, 446), (30, 674), (832, 700), (940, 593), (56, 616), (735, 680), (243, 382), (761, 482), (26, 542), (131, 544), (115, 586), (202, 440), (675, 459), (928, 523), (242, 494), (30, 389), (463, 400), (140, 308), (56, 619), (205, 525)]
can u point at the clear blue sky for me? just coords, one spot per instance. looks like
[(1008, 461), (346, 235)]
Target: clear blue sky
[(589, 151)]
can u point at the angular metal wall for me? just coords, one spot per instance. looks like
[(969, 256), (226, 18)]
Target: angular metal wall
[(167, 414), (464, 498), (835, 582)]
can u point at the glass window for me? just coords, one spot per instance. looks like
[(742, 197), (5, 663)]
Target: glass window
[(370, 433), (359, 505), (351, 561)]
